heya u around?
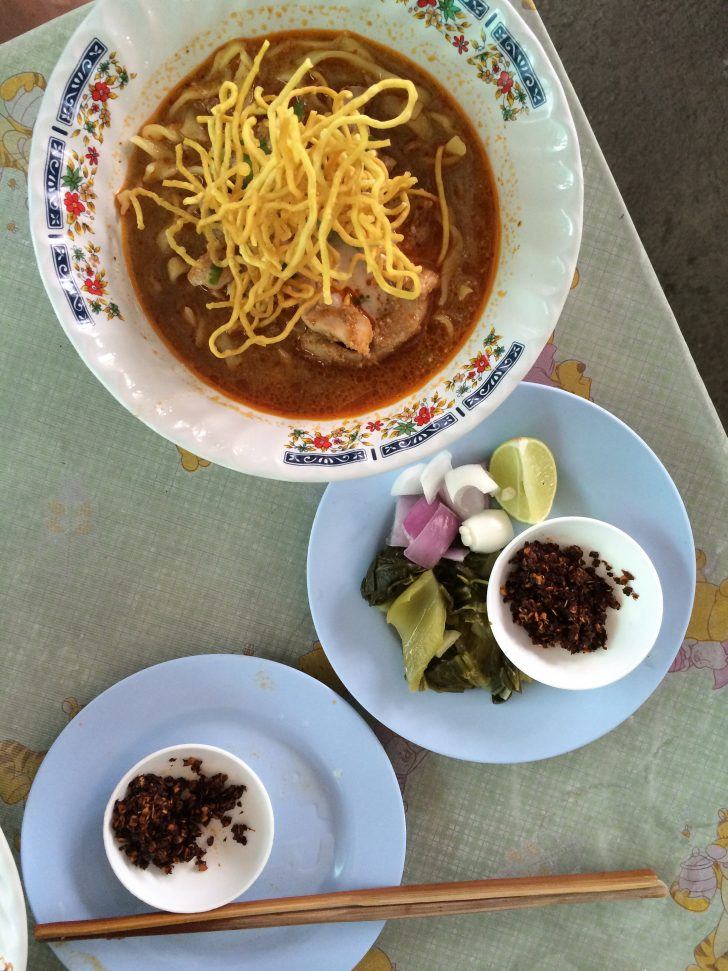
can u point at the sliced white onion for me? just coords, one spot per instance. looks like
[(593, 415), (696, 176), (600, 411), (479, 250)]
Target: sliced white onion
[(468, 502), (434, 473), (487, 531), (408, 481), (506, 494), (469, 475), (465, 489)]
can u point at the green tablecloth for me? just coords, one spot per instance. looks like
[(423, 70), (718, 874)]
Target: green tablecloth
[(118, 551)]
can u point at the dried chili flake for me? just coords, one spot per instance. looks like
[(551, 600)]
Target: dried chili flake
[(161, 818), (624, 580), (239, 830), (557, 598)]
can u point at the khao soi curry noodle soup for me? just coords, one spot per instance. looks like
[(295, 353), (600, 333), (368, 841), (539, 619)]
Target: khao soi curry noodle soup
[(310, 223)]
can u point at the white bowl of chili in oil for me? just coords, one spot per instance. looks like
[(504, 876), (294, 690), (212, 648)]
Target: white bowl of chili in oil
[(231, 865), (631, 630), (480, 69)]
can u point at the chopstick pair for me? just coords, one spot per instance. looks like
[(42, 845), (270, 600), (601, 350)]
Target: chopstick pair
[(383, 903)]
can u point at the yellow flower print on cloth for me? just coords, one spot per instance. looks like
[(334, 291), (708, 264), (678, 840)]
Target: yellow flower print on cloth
[(18, 766), (315, 664), (703, 877), (20, 97), (375, 960), (567, 375), (706, 639), (189, 461)]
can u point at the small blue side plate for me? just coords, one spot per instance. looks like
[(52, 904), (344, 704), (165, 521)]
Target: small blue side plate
[(338, 810), (605, 471)]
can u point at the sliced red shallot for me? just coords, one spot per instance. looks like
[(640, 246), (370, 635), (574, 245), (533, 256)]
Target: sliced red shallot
[(427, 548), (399, 535), (419, 516)]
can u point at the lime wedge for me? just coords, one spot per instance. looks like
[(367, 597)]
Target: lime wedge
[(525, 471)]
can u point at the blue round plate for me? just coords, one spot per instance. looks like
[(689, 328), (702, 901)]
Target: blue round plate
[(606, 471), (338, 811)]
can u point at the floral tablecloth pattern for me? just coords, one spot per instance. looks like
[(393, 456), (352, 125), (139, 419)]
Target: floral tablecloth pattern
[(120, 550)]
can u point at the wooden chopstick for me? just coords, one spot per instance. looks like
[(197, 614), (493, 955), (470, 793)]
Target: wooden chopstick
[(383, 903)]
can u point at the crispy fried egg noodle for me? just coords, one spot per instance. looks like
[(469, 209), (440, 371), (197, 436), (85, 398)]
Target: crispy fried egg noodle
[(270, 190)]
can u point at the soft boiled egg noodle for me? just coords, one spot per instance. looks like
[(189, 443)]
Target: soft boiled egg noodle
[(272, 188)]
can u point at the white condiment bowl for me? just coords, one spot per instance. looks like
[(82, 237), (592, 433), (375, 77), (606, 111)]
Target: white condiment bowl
[(231, 867), (631, 631)]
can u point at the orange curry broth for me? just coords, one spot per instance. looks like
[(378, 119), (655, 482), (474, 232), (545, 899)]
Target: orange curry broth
[(281, 378)]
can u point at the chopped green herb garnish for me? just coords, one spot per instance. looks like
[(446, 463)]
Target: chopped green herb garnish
[(214, 277), (299, 108), (249, 176), (264, 145)]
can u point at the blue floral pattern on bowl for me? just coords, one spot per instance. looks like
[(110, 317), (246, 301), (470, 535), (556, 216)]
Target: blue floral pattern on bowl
[(498, 57), (70, 173), (474, 380)]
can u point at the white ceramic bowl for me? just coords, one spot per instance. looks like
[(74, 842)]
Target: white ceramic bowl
[(631, 631), (232, 868), (136, 51)]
